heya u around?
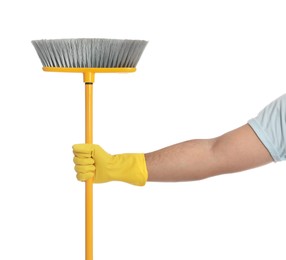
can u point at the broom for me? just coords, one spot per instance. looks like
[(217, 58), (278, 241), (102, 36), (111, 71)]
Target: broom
[(89, 56)]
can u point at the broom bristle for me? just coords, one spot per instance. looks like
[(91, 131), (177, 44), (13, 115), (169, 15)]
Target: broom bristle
[(90, 53)]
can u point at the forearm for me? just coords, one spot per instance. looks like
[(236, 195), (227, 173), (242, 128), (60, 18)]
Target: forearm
[(187, 161), (235, 151)]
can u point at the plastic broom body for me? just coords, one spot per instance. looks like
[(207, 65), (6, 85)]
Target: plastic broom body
[(89, 56)]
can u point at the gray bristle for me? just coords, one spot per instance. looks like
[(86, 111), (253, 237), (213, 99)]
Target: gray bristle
[(89, 53)]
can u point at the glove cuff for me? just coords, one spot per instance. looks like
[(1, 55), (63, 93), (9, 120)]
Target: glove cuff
[(134, 170)]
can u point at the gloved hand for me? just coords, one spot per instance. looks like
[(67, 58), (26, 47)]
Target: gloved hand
[(91, 161)]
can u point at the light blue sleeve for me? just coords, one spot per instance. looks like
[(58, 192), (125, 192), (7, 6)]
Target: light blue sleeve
[(270, 127)]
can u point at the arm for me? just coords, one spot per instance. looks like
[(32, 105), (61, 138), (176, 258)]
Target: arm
[(234, 151)]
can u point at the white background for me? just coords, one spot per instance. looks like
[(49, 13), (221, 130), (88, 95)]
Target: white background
[(208, 68)]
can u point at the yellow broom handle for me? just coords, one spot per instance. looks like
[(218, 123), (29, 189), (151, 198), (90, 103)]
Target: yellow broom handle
[(88, 183)]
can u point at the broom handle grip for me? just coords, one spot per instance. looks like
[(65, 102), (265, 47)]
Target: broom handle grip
[(88, 183)]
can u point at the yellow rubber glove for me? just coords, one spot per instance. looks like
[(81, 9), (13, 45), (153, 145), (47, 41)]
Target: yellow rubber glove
[(91, 161)]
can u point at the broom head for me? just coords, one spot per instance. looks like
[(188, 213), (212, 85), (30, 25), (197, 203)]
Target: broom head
[(89, 53)]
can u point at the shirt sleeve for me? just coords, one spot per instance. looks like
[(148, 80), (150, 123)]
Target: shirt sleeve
[(270, 127)]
